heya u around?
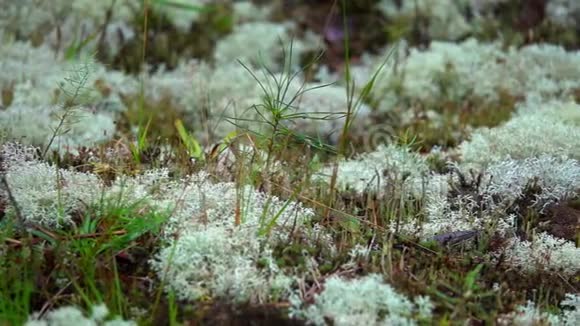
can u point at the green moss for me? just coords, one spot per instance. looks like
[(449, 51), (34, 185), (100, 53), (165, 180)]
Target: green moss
[(509, 24), (162, 114), (401, 27), (7, 96), (548, 32), (455, 119), (167, 45)]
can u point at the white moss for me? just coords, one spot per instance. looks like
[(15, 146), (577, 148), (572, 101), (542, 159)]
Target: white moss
[(377, 170), (544, 253), (531, 314), (366, 300), (565, 13), (263, 44), (36, 126), (445, 17), (46, 194), (206, 252), (247, 11), (472, 69), (72, 315), (551, 129), (528, 315), (558, 179), (501, 185), (61, 23), (209, 255), (33, 75)]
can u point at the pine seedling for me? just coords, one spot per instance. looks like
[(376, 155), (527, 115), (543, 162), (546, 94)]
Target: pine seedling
[(278, 107)]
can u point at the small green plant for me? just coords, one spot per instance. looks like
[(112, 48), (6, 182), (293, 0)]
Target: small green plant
[(191, 144), (82, 259), (464, 295), (19, 265), (105, 232), (142, 144)]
